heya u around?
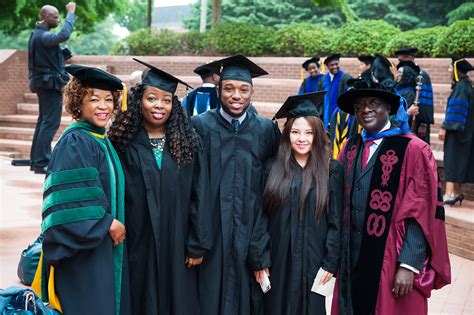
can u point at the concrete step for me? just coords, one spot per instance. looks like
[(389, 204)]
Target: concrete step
[(11, 154), (20, 147), (31, 109), (18, 133), (28, 121), (30, 98)]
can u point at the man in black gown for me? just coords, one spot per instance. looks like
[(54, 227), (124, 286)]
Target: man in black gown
[(238, 144)]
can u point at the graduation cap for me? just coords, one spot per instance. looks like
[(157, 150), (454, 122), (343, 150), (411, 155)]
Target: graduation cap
[(96, 78), (301, 105), (460, 65), (332, 57), (306, 64), (365, 88), (411, 51), (203, 71), (160, 79), (384, 60), (410, 64), (367, 59), (236, 67)]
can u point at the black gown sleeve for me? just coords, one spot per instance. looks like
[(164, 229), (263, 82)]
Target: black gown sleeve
[(334, 219), (76, 214), (199, 235)]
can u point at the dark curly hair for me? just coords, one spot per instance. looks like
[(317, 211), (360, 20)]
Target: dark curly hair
[(74, 93), (179, 134)]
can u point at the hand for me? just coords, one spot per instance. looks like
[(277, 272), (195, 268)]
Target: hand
[(325, 278), (413, 110), (260, 274), (117, 232), (190, 262), (403, 283), (441, 134), (71, 7)]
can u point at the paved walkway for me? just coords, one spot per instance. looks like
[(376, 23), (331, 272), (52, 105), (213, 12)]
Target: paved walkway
[(20, 202)]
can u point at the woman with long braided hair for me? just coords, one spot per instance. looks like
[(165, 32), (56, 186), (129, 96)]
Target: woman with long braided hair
[(166, 197)]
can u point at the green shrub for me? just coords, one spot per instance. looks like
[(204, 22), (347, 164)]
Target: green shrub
[(457, 39), (303, 39), (241, 38), (194, 43), (151, 42), (424, 39), (363, 37)]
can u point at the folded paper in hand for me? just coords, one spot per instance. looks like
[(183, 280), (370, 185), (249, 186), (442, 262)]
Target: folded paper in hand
[(326, 289)]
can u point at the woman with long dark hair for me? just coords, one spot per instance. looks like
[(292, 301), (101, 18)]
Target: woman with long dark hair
[(166, 197), (457, 131), (303, 200)]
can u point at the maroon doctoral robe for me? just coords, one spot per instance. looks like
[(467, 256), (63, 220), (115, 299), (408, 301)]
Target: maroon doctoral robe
[(418, 197)]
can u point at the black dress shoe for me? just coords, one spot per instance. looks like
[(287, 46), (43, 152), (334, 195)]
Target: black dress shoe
[(41, 170), (451, 201)]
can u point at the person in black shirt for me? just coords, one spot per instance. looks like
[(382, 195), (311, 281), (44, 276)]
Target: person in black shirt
[(47, 78)]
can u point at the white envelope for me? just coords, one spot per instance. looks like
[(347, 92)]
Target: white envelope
[(326, 289)]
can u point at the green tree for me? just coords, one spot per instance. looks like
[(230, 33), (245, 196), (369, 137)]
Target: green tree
[(339, 4), (133, 18), (272, 13), (19, 15), (463, 12)]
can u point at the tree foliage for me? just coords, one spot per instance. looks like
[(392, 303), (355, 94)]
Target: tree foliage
[(19, 15), (463, 12), (134, 16), (405, 14), (271, 13)]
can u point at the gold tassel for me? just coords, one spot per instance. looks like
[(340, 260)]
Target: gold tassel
[(124, 97), (323, 68), (456, 75)]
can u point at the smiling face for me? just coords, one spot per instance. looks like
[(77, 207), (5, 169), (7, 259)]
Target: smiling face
[(333, 66), (97, 107), (156, 109), (235, 97), (372, 113), (313, 69), (301, 138)]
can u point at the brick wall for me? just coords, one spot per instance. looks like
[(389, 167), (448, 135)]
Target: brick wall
[(460, 239), (14, 81)]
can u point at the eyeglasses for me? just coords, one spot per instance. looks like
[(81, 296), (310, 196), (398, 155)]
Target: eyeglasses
[(371, 105)]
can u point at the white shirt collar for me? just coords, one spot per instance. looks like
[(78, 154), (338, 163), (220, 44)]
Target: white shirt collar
[(208, 85), (386, 127), (229, 118)]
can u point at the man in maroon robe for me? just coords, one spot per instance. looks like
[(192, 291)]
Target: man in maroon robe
[(394, 248)]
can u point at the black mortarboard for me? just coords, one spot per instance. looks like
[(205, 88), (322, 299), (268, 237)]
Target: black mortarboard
[(460, 65), (364, 88), (332, 57), (306, 64), (367, 59), (96, 78), (384, 60), (295, 106), (160, 79), (237, 67), (411, 51), (203, 71), (411, 64)]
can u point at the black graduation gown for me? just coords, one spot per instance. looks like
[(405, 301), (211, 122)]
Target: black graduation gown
[(300, 247), (167, 215), (79, 247), (459, 142), (241, 242)]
